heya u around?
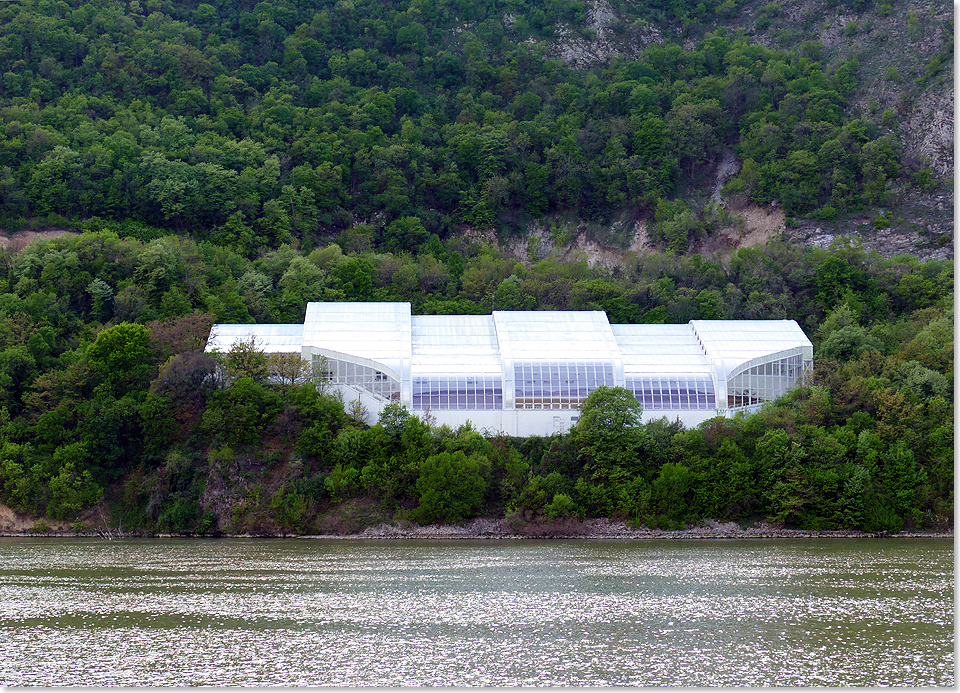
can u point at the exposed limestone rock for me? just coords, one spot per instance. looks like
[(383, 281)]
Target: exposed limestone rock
[(579, 51), (729, 166), (641, 237), (929, 132), (21, 239), (831, 35)]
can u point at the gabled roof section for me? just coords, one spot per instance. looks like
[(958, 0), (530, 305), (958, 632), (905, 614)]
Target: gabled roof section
[(555, 335), (271, 339), (377, 331), (454, 344), (668, 349)]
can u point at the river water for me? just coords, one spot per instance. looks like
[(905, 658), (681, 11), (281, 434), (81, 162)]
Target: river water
[(171, 612)]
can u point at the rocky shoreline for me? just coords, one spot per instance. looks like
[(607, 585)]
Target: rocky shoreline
[(600, 528)]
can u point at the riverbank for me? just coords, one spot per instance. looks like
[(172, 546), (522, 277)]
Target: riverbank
[(602, 528), (607, 529), (480, 528)]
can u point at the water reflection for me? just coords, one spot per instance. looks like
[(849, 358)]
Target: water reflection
[(587, 613)]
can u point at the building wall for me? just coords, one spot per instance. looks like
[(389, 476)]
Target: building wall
[(528, 372), (511, 422)]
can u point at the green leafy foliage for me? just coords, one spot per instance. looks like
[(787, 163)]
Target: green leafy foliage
[(608, 434), (451, 487), (135, 412), (259, 126), (211, 154)]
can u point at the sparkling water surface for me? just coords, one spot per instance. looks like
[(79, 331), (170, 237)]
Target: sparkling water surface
[(297, 612)]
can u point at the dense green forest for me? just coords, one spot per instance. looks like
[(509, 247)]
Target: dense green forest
[(252, 125), (230, 162), (105, 390)]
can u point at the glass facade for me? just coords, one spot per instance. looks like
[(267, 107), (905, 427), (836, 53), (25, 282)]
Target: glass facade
[(457, 392), (527, 363), (340, 372), (763, 382), (666, 392), (558, 384)]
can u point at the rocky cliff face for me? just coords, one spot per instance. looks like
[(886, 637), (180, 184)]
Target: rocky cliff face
[(607, 34), (905, 85), (928, 134), (895, 51)]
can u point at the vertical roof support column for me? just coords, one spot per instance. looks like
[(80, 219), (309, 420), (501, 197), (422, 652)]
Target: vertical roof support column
[(406, 358), (613, 349), (506, 363), (806, 372)]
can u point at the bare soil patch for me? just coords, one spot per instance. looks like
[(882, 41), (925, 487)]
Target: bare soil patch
[(21, 239), (760, 225), (12, 522), (596, 253)]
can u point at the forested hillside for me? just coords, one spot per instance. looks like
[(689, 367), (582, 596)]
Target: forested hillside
[(230, 162), (254, 124), (105, 391)]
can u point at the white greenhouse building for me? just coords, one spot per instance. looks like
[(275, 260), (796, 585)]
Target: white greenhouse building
[(527, 372)]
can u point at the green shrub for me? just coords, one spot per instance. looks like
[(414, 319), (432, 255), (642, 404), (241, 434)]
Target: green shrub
[(451, 487), (879, 516), (561, 506), (180, 517)]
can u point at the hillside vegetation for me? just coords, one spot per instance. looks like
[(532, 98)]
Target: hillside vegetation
[(106, 393), (229, 163), (255, 124)]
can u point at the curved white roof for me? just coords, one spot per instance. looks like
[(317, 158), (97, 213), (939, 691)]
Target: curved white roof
[(669, 349), (388, 334), (527, 372), (454, 344), (376, 331), (730, 343)]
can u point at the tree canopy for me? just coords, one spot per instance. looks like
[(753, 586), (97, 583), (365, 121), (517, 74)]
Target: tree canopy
[(256, 126), (228, 163)]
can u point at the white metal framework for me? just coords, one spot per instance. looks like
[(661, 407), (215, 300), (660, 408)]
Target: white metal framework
[(528, 372)]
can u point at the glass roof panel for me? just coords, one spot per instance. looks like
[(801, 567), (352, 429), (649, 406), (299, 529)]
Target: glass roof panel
[(377, 331), (454, 344), (660, 349), (741, 340), (555, 335), (436, 344), (270, 338)]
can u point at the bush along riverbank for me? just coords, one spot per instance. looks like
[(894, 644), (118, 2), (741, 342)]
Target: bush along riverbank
[(341, 477), (109, 406), (514, 528)]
